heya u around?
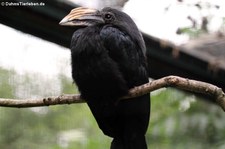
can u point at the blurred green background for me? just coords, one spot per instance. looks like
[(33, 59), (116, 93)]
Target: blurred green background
[(178, 121)]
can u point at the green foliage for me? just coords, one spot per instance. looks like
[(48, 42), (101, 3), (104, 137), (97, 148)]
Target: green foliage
[(199, 126), (178, 121), (6, 90), (191, 32)]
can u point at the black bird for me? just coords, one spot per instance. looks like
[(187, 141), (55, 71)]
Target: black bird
[(108, 58)]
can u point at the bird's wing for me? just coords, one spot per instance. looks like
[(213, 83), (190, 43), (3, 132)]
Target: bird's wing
[(127, 54)]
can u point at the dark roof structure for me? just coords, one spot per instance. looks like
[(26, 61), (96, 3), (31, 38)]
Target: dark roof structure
[(201, 59), (210, 51)]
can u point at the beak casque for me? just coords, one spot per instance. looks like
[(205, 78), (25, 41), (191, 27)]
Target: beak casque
[(82, 16)]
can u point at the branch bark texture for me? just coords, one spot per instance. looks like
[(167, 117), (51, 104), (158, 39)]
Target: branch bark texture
[(170, 81)]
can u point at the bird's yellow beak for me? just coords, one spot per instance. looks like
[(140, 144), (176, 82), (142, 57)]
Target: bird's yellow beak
[(81, 17)]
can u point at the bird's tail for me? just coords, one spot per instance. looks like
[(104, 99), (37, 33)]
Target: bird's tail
[(130, 142)]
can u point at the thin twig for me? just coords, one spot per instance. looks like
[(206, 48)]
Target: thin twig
[(170, 81)]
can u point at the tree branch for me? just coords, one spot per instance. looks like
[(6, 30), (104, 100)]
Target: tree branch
[(170, 81)]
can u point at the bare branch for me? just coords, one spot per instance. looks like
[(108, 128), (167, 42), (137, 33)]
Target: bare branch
[(169, 81)]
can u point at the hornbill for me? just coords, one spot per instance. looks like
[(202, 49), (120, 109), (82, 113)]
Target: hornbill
[(108, 57)]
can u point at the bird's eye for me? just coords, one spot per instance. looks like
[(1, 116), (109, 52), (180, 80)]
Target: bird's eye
[(108, 16)]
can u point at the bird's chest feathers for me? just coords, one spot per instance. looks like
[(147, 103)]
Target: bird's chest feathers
[(101, 40), (89, 44), (88, 51), (93, 47)]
